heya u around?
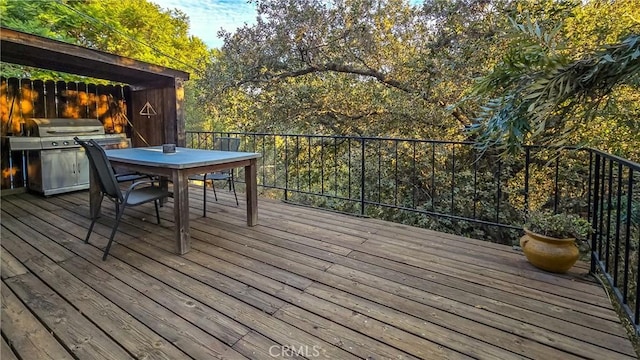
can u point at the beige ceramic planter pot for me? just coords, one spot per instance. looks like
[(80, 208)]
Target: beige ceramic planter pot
[(548, 253)]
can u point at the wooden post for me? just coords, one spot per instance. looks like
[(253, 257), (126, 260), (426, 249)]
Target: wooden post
[(181, 211)]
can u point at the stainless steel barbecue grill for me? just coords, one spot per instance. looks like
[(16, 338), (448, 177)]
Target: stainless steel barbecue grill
[(55, 162)]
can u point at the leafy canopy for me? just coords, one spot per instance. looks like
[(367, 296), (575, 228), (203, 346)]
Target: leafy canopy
[(134, 28), (549, 87)]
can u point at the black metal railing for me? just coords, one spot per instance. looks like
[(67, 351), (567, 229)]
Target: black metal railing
[(447, 186), (614, 213)]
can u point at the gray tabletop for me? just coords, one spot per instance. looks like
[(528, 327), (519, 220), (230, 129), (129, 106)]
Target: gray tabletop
[(183, 158)]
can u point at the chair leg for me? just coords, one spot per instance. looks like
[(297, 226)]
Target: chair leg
[(233, 186), (93, 222), (155, 202), (113, 233), (213, 185), (204, 197)]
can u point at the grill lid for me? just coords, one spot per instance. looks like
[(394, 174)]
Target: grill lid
[(63, 127)]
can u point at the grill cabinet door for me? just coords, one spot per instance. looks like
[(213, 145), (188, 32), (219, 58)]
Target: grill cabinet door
[(64, 170), (58, 169), (82, 168)]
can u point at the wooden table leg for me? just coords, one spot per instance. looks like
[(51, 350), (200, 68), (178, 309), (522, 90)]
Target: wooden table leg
[(163, 182), (250, 179), (181, 212)]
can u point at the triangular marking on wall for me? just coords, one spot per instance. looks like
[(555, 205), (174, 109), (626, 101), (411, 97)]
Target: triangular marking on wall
[(148, 110)]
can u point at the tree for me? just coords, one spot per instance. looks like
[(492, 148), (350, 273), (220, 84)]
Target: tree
[(551, 86), (136, 28), (370, 67)]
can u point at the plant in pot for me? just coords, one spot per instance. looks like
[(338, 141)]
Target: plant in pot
[(549, 242)]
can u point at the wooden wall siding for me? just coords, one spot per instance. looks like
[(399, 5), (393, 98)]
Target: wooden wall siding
[(167, 126), (13, 170), (50, 99), (25, 98), (146, 127)]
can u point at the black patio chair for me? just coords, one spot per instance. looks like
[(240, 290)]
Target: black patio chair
[(110, 188), (130, 176), (223, 144)]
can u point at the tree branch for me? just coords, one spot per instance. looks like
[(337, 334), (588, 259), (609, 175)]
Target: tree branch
[(341, 68)]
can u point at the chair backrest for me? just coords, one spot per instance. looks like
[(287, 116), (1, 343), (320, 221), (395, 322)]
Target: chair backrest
[(226, 144), (100, 164)]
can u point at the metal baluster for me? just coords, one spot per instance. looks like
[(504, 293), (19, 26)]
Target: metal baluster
[(275, 161), (414, 181), (349, 166), (594, 221), (589, 185), (379, 171), (556, 199), (527, 164), (298, 163), (264, 153), (322, 165), (362, 175), (636, 317), (601, 219), (453, 178), (475, 185), (433, 176), (335, 164), (609, 196), (309, 163), (627, 237), (395, 201), (499, 193), (617, 246), (286, 168)]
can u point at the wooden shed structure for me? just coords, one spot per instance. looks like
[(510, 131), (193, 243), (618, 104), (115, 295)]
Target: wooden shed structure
[(160, 87)]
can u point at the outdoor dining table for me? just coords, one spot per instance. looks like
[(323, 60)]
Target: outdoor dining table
[(177, 167)]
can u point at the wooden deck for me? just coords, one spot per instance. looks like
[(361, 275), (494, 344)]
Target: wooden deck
[(317, 283)]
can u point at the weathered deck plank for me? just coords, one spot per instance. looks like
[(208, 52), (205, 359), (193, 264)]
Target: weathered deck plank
[(120, 325), (83, 338), (5, 351), (303, 278), (25, 333), (10, 266)]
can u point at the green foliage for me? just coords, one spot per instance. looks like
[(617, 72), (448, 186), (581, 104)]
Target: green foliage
[(374, 67), (135, 28), (559, 226), (552, 86), (387, 68)]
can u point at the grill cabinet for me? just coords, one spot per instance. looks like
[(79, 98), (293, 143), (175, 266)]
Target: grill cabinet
[(55, 162)]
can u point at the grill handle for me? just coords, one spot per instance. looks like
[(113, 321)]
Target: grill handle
[(72, 132)]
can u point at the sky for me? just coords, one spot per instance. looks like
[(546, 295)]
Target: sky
[(206, 17)]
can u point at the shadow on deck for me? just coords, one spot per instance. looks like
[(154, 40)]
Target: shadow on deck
[(303, 281)]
